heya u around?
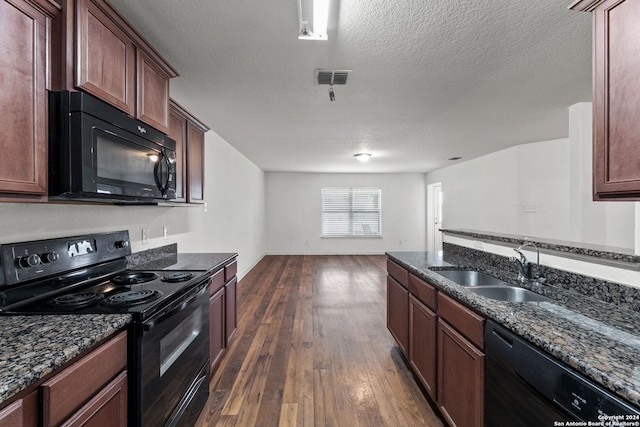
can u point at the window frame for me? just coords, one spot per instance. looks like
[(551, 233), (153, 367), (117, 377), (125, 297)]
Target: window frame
[(352, 213)]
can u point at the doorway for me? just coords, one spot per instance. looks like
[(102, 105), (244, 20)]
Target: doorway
[(434, 217)]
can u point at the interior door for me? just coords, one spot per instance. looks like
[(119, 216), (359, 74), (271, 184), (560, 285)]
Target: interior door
[(434, 217)]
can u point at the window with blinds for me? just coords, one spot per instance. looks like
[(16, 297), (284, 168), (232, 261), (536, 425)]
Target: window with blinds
[(351, 211)]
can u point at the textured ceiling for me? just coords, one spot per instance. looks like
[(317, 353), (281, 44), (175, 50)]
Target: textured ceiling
[(431, 79)]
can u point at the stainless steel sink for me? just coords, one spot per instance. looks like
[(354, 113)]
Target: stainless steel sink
[(508, 293), (471, 278)]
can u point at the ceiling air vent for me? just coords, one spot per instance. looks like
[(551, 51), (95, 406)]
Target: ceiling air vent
[(332, 77)]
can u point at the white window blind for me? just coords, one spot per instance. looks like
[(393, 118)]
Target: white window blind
[(351, 211)]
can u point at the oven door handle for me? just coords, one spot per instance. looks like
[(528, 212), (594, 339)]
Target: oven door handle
[(162, 316)]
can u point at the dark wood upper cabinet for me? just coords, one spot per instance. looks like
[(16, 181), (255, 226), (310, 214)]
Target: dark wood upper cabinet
[(616, 88), (178, 132), (105, 56), (195, 164), (153, 93), (25, 30), (188, 132)]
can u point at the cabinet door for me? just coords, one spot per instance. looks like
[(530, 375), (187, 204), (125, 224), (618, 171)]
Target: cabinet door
[(616, 112), (108, 408), (460, 378), (216, 328), (422, 344), (67, 391), (23, 98), (178, 132), (152, 93), (195, 164), (398, 313), (230, 309), (11, 416), (105, 58)]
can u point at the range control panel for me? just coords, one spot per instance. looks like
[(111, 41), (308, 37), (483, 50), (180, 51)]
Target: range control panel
[(27, 261)]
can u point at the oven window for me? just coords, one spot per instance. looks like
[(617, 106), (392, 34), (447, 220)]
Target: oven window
[(123, 161), (177, 341)]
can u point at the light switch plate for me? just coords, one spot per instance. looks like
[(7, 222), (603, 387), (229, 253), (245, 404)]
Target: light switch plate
[(145, 236)]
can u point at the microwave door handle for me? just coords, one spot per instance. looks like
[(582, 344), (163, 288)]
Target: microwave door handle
[(157, 171)]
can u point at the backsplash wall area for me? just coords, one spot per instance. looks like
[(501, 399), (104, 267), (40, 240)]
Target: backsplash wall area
[(500, 266)]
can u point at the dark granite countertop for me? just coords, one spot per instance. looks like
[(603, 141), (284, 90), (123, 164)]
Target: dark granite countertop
[(34, 346), (209, 262), (598, 339)]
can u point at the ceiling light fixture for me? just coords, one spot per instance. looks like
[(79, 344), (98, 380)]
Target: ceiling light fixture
[(363, 157), (153, 157), (316, 13)]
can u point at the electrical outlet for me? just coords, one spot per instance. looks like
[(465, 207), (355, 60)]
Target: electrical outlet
[(165, 232), (145, 236), (477, 244), (205, 207)]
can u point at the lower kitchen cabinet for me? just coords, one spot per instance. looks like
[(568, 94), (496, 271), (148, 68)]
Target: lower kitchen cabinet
[(90, 392), (24, 412), (423, 324), (107, 408), (398, 313), (443, 341), (222, 305), (460, 363), (460, 378), (216, 318), (230, 309)]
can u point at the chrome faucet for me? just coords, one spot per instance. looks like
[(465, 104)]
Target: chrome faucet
[(524, 266)]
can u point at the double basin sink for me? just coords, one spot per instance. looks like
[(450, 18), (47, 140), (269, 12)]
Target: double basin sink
[(490, 287)]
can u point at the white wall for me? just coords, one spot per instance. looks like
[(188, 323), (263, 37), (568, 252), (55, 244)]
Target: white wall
[(294, 208), (234, 221), (497, 192), (480, 194)]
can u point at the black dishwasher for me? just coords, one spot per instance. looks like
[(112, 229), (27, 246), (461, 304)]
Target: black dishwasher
[(527, 387)]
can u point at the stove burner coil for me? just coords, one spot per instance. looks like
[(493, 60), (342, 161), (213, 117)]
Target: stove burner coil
[(134, 277), (177, 277), (130, 298), (76, 300)]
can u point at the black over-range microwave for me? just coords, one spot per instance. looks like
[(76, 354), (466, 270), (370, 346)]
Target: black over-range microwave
[(97, 153)]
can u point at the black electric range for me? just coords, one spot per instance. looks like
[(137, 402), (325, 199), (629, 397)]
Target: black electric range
[(168, 345)]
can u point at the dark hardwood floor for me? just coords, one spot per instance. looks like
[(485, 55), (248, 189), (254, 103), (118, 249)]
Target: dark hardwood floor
[(312, 349)]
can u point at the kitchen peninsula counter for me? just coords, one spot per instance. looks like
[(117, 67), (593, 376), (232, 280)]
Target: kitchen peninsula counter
[(35, 346), (601, 340)]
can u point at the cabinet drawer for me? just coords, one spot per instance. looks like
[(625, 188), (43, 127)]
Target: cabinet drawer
[(423, 291), (466, 321), (71, 388), (230, 270), (399, 273), (217, 281), (12, 415)]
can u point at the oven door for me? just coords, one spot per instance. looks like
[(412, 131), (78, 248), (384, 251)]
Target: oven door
[(173, 361), (118, 163)]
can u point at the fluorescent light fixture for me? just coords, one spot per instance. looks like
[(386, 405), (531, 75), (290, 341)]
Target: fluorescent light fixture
[(363, 157), (316, 13)]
